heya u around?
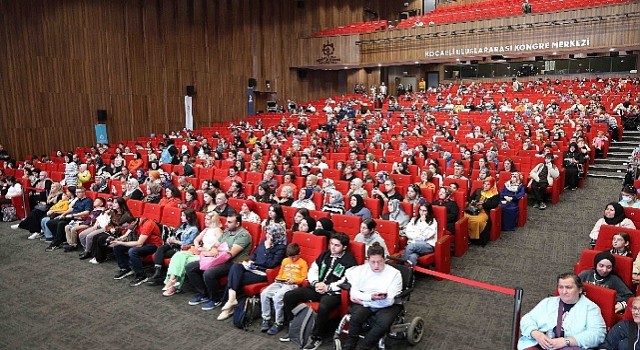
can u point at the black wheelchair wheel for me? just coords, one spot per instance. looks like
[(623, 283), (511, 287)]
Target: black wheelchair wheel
[(415, 331)]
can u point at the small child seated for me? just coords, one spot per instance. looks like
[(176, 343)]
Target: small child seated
[(621, 244), (599, 142), (293, 271)]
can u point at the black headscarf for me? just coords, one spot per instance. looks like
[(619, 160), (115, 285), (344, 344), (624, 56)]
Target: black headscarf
[(619, 215), (326, 230), (604, 255), (359, 205)]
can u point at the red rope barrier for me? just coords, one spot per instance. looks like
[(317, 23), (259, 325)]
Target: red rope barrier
[(482, 285)]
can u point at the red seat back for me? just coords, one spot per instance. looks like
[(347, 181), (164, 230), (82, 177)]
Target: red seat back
[(348, 224), (623, 266), (311, 246), (152, 211), (171, 216), (390, 232)]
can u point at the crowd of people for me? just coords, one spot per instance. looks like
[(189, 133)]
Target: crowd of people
[(294, 156)]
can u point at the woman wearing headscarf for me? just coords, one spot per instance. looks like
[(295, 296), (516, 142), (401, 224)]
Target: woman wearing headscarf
[(335, 202), (328, 185), (485, 199), (305, 199), (133, 190), (248, 212), (614, 216), (101, 185), (268, 254), (154, 193), (154, 177), (602, 275), (324, 227), (573, 159), (445, 199), (397, 214), (510, 195), (358, 208), (84, 175)]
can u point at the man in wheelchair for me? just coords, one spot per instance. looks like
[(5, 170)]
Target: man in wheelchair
[(374, 288)]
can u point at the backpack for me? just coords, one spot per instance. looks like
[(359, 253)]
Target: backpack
[(302, 324), (248, 309)]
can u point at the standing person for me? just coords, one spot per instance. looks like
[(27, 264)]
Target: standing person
[(570, 319), (542, 176), (293, 271), (374, 287), (573, 160), (206, 283), (327, 272), (511, 194)]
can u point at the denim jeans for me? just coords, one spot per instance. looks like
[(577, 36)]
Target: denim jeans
[(416, 250), (131, 257), (47, 233), (274, 293)]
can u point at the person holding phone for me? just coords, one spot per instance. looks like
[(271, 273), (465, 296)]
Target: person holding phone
[(374, 287)]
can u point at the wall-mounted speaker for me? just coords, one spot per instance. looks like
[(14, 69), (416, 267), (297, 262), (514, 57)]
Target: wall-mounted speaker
[(252, 82), (102, 115), (571, 55), (302, 74), (614, 53), (191, 90), (539, 58)]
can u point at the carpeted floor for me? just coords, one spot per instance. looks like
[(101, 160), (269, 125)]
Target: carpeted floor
[(55, 301)]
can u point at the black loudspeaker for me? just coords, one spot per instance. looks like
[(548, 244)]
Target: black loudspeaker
[(102, 115), (571, 55), (368, 70), (614, 54), (539, 58), (252, 82), (191, 90), (302, 74), (300, 4), (474, 61)]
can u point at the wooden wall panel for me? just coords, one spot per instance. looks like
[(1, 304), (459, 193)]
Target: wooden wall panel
[(65, 59)]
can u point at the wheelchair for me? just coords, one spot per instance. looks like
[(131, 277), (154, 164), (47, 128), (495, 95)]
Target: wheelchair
[(412, 331)]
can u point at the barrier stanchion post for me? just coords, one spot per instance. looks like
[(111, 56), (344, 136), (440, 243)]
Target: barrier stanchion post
[(517, 310)]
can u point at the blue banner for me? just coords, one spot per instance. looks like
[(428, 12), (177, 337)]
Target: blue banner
[(101, 133), (251, 105)]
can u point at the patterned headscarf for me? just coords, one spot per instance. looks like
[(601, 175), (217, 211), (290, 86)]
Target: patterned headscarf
[(278, 234)]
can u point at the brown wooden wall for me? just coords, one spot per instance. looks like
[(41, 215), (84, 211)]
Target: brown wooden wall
[(63, 60)]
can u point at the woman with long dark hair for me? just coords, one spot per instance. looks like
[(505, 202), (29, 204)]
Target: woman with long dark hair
[(421, 233)]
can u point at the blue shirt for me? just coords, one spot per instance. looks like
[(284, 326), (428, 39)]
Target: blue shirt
[(84, 204)]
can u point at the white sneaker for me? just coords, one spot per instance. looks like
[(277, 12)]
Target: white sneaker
[(14, 227), (35, 235), (94, 261)]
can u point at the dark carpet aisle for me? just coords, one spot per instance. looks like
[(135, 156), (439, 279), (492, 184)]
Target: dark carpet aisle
[(55, 301)]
